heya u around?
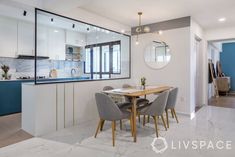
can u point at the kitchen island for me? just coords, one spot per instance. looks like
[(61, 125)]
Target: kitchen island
[(11, 92), (50, 107)]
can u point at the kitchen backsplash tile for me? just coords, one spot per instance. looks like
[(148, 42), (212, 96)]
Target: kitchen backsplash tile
[(24, 67)]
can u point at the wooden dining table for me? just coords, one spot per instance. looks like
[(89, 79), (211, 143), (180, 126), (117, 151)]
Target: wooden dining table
[(133, 93)]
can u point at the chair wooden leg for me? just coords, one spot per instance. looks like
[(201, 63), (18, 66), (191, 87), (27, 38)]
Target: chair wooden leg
[(144, 120), (113, 132), (120, 124), (155, 122), (98, 127), (167, 120), (139, 117), (115, 125), (102, 125), (131, 125), (172, 113), (148, 119), (175, 115), (164, 122)]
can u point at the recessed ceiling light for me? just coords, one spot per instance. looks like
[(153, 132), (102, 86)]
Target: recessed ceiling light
[(123, 31), (55, 31), (222, 19)]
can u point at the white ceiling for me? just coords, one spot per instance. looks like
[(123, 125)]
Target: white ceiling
[(205, 12)]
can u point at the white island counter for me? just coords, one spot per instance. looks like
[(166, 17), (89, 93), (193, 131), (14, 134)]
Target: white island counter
[(50, 107)]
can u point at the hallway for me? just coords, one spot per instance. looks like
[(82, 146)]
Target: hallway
[(222, 101)]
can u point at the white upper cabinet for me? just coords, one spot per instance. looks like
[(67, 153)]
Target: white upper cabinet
[(26, 38), (75, 38), (42, 41), (56, 43), (8, 37)]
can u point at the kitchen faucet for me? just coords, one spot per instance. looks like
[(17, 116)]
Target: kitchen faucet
[(73, 72)]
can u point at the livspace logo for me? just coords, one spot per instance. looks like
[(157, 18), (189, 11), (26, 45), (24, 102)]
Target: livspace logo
[(160, 145)]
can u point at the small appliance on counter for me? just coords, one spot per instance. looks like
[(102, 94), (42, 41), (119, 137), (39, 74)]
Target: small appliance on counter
[(53, 73)]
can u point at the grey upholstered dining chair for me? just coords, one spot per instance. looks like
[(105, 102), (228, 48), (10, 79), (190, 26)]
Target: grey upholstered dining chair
[(126, 86), (139, 102), (109, 111), (156, 109), (107, 88), (171, 104), (121, 105)]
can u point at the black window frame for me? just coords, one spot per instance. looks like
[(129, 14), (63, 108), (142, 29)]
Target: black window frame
[(38, 82), (100, 45)]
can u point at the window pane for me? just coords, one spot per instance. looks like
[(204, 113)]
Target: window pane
[(105, 58), (116, 59), (88, 60), (96, 59), (105, 76)]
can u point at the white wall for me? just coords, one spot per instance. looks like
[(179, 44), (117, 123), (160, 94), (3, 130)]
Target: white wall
[(198, 64), (176, 73)]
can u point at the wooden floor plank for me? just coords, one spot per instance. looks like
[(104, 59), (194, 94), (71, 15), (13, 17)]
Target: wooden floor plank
[(10, 130), (222, 101)]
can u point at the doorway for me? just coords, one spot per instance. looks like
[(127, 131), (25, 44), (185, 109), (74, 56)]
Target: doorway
[(221, 54)]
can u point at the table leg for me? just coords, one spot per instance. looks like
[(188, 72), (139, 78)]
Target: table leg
[(134, 117)]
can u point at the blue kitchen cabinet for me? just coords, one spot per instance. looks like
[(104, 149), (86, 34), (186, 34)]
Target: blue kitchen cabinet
[(10, 96)]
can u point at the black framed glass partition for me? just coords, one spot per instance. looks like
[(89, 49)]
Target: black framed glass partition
[(68, 50)]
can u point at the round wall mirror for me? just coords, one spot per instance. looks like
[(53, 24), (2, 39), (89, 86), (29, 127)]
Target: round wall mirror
[(157, 55)]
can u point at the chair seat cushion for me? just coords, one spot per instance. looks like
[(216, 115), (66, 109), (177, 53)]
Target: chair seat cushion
[(142, 101), (124, 105), (143, 108)]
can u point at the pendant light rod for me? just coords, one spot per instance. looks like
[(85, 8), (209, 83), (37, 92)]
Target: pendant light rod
[(140, 13)]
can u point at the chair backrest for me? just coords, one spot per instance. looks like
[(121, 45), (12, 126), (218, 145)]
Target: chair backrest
[(126, 86), (172, 97), (107, 88), (107, 109), (158, 105)]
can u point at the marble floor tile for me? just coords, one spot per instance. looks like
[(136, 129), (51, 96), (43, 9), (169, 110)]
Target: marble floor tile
[(210, 124)]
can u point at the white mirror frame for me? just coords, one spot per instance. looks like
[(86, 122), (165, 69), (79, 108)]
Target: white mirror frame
[(148, 55)]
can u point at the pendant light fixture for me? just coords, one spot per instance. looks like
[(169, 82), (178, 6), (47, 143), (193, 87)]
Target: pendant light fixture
[(140, 28)]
